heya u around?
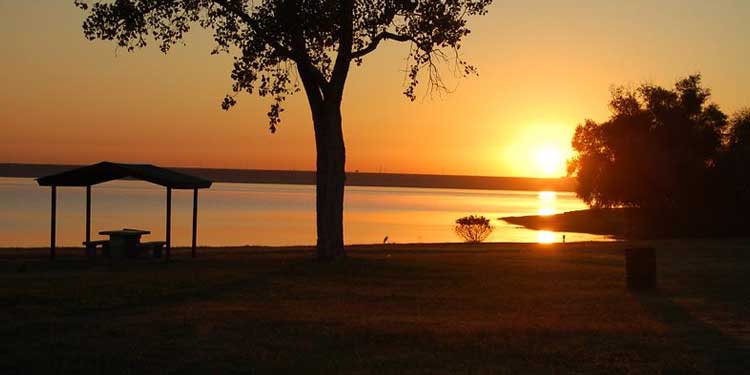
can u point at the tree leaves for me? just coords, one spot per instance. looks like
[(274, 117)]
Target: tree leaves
[(274, 40), (655, 151)]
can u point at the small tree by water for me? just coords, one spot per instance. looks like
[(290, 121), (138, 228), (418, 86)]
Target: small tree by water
[(473, 229)]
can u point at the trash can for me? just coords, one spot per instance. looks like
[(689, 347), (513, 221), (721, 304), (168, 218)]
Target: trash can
[(640, 269)]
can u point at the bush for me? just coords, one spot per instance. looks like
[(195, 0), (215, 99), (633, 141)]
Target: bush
[(473, 229)]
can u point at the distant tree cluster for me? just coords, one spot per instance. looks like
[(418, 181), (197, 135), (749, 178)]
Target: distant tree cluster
[(473, 229), (670, 153)]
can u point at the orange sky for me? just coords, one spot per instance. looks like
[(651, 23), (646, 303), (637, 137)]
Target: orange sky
[(544, 67)]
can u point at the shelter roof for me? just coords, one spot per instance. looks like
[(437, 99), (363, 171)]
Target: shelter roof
[(108, 171)]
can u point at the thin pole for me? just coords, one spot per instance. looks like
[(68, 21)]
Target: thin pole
[(53, 222), (169, 221), (88, 214), (195, 217)]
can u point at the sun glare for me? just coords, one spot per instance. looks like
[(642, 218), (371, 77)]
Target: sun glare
[(549, 161), (547, 203), (545, 237), (547, 195), (546, 211)]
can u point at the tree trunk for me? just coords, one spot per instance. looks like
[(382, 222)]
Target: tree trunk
[(325, 105), (330, 180)]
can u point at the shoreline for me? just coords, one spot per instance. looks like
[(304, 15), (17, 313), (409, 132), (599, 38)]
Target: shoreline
[(259, 176), (610, 222), (624, 224), (355, 247)]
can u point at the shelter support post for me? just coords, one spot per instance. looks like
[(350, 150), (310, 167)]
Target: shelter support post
[(88, 213), (169, 222), (195, 218), (53, 222), (106, 171)]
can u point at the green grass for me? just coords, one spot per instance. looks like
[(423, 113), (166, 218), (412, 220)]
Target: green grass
[(408, 309)]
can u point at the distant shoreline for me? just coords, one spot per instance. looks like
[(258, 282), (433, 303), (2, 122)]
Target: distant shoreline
[(259, 176), (610, 222), (632, 224)]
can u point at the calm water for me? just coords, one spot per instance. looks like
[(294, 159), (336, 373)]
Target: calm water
[(260, 214)]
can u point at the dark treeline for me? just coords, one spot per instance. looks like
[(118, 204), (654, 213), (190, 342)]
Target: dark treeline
[(671, 157)]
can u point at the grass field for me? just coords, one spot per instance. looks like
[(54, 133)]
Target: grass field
[(407, 309)]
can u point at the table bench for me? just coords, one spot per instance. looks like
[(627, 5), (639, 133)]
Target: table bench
[(91, 247), (155, 247), (124, 243)]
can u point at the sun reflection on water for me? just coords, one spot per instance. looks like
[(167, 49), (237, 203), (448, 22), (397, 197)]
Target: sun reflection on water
[(546, 211), (547, 203), (545, 236), (547, 195)]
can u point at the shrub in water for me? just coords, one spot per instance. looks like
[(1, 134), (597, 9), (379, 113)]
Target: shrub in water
[(473, 229)]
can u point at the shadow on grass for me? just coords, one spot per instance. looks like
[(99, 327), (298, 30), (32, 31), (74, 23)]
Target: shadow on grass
[(723, 353), (71, 287)]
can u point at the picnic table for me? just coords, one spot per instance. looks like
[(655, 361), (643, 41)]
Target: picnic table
[(108, 171), (124, 242)]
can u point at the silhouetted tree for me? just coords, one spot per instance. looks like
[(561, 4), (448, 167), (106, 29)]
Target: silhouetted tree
[(473, 229), (654, 151), (316, 40), (665, 152), (736, 163)]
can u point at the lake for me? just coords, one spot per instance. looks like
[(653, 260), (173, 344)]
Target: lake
[(266, 214)]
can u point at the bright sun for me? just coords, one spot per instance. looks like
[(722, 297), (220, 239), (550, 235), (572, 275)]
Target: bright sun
[(549, 160)]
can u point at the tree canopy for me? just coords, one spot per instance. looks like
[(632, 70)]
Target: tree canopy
[(278, 44), (655, 145), (270, 38), (665, 151)]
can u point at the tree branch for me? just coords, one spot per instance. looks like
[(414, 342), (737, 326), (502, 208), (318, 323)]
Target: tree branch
[(282, 50), (299, 57), (346, 39), (376, 41), (315, 92), (299, 46)]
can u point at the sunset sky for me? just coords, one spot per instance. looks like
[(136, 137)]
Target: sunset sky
[(545, 66)]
